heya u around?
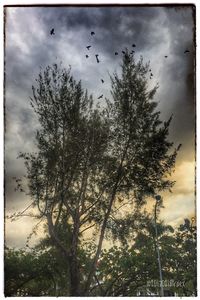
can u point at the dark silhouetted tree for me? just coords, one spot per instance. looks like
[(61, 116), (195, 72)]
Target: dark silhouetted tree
[(89, 159)]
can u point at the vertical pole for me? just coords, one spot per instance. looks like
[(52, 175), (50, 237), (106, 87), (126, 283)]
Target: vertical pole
[(158, 253)]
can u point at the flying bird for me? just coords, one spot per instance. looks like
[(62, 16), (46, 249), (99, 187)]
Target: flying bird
[(186, 51), (88, 47), (132, 51), (123, 52), (97, 57), (52, 31), (116, 53), (92, 33), (102, 80), (151, 74), (100, 97), (133, 45), (87, 56), (18, 179), (166, 56), (179, 146)]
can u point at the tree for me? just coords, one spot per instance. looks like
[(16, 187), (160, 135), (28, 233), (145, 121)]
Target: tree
[(125, 269), (37, 271), (31, 273), (185, 264), (91, 159)]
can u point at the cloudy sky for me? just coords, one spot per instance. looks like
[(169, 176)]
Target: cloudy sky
[(156, 31)]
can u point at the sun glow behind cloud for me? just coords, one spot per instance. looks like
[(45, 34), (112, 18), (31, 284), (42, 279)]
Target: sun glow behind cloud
[(181, 202)]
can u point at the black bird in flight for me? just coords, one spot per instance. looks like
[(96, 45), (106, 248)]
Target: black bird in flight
[(166, 56), (179, 146), (100, 97), (186, 51), (97, 57), (132, 51), (123, 52), (133, 45), (116, 53), (17, 179), (88, 47), (92, 33), (52, 31), (151, 74), (87, 56), (150, 70), (102, 80)]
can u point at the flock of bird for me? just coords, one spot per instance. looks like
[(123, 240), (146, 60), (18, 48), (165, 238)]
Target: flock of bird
[(19, 184), (52, 32)]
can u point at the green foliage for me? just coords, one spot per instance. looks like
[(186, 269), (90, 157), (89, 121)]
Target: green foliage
[(72, 139), (121, 270), (186, 261), (137, 129), (31, 273)]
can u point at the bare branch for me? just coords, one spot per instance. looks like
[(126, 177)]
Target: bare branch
[(129, 202), (88, 228)]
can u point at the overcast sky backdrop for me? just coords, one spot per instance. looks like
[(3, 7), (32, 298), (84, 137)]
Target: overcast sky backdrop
[(156, 31)]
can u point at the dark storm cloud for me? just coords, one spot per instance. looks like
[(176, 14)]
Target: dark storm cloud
[(115, 28), (156, 31), (177, 93)]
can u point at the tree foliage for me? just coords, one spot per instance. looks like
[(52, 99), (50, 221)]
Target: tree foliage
[(89, 159), (122, 270)]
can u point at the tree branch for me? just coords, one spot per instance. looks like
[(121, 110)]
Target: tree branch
[(54, 236), (87, 228), (107, 214)]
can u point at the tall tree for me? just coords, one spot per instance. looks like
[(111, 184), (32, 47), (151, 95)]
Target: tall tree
[(89, 158), (66, 175)]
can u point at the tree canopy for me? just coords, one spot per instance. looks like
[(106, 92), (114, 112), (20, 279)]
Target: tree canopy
[(122, 270), (91, 160)]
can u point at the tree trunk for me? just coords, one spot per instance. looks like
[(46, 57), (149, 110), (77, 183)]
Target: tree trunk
[(103, 228), (74, 263), (74, 278)]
